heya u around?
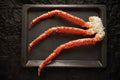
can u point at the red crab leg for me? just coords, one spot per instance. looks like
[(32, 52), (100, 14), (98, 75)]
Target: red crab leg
[(61, 29), (62, 14), (67, 45)]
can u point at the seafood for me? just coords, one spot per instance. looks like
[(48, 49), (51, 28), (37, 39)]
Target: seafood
[(59, 29), (62, 14), (94, 25)]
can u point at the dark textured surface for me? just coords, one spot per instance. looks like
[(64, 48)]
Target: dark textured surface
[(10, 44)]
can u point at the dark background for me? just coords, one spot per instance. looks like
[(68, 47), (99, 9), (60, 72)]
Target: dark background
[(10, 44)]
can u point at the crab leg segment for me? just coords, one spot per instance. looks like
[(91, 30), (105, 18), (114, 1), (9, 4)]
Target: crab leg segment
[(62, 14), (61, 29), (67, 45)]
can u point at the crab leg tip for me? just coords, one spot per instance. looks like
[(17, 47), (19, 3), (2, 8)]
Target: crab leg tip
[(29, 49), (39, 71), (30, 26)]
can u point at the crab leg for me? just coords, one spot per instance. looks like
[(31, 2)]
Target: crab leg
[(60, 29), (62, 14), (67, 45)]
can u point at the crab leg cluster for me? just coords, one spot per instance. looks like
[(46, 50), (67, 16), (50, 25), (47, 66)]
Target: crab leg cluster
[(94, 26)]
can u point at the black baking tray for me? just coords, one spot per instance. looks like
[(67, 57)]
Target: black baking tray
[(82, 56)]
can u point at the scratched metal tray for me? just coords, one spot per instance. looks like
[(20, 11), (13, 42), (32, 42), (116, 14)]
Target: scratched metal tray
[(82, 56)]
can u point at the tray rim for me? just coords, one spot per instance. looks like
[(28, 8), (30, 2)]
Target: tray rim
[(102, 63)]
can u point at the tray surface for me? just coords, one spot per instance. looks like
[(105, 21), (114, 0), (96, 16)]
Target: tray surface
[(82, 56)]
